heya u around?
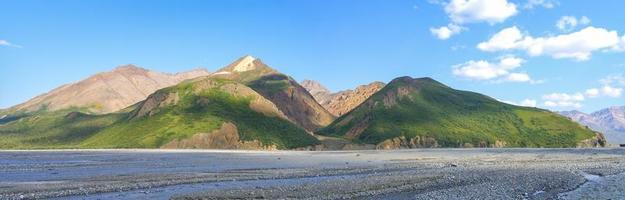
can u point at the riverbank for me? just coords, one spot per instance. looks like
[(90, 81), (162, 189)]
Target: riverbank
[(397, 174)]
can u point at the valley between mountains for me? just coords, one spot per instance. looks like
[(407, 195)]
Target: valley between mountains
[(250, 105)]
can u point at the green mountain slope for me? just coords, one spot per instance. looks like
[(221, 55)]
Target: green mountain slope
[(200, 113), (65, 128), (410, 113), (291, 98)]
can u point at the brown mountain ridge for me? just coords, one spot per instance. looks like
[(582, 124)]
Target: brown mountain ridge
[(107, 92)]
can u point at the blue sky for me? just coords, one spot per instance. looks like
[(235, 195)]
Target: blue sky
[(511, 50)]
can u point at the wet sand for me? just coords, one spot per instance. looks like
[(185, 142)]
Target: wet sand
[(397, 174)]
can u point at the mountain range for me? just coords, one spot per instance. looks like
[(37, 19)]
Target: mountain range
[(610, 121), (107, 92), (249, 105)]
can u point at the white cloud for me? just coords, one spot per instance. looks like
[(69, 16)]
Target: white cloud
[(542, 3), (505, 39), (500, 71), (8, 44), (568, 23), (621, 45), (611, 91), (592, 92), (562, 104), (611, 85), (606, 90), (445, 32), (472, 11), (525, 102), (564, 97), (563, 100), (577, 45), (518, 77), (575, 99), (528, 103)]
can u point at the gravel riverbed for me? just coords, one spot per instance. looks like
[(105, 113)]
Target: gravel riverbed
[(366, 174)]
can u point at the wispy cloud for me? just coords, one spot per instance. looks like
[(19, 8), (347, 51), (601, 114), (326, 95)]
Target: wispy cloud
[(611, 87), (531, 4), (8, 44), (525, 102), (568, 23), (563, 100)]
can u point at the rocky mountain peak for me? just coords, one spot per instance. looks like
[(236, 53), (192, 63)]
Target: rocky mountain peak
[(314, 87), (610, 121), (613, 117), (341, 102), (129, 68), (410, 80), (245, 64)]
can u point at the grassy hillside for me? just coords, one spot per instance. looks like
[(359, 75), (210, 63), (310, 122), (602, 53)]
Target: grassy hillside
[(200, 106), (426, 108), (57, 129)]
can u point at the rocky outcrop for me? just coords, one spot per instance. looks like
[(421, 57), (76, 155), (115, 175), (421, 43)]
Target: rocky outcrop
[(226, 137), (155, 101), (429, 142), (344, 101), (597, 141), (108, 91), (408, 143)]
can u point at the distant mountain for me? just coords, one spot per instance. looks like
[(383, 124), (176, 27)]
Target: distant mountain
[(610, 121), (318, 91), (245, 105), (290, 97), (106, 92), (249, 105), (341, 102), (413, 113)]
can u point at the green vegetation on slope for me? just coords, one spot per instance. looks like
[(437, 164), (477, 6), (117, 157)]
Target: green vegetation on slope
[(57, 129), (196, 112), (454, 118)]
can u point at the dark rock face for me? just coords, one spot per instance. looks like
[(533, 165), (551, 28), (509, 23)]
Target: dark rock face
[(293, 100)]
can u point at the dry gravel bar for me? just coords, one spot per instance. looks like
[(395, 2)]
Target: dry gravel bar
[(366, 174)]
